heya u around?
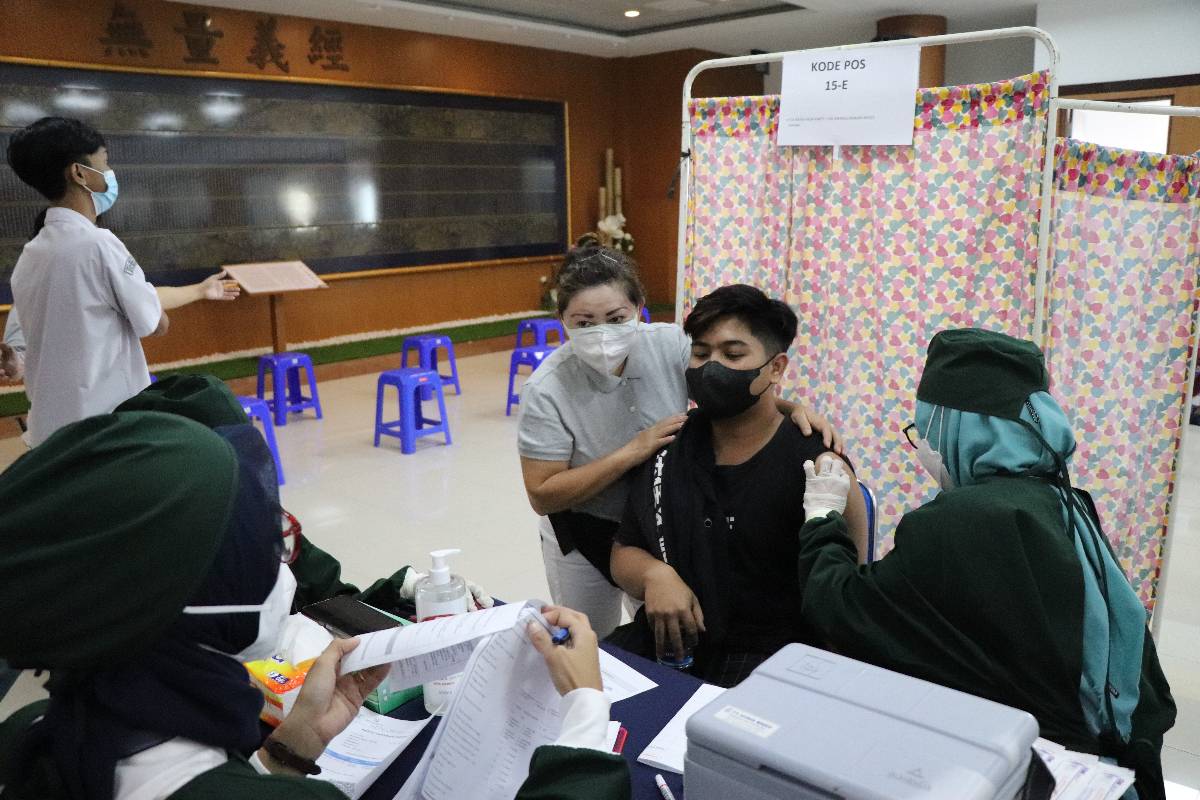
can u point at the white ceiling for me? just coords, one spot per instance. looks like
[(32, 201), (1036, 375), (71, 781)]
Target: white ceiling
[(817, 23)]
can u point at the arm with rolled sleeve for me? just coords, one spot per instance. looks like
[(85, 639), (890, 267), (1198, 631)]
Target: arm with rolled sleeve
[(132, 295)]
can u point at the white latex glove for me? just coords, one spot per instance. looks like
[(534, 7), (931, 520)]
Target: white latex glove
[(825, 491), (408, 590)]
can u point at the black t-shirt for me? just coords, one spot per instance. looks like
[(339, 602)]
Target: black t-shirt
[(763, 502)]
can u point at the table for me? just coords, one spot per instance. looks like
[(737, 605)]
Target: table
[(643, 715)]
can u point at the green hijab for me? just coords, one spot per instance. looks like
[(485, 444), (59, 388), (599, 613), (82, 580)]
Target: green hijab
[(983, 406), (203, 398), (109, 526)]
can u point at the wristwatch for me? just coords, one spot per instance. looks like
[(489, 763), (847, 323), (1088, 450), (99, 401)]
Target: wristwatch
[(289, 758)]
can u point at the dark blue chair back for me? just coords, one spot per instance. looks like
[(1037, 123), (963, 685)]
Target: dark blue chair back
[(869, 499)]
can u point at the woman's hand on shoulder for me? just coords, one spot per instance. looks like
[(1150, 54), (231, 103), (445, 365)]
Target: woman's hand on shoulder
[(655, 438)]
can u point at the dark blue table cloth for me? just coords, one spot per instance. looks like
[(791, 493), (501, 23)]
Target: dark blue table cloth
[(643, 715)]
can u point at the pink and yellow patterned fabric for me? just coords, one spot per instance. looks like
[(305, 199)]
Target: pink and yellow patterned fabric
[(877, 249), (1123, 293)]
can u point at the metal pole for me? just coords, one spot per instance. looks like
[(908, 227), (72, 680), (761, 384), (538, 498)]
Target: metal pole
[(1128, 108)]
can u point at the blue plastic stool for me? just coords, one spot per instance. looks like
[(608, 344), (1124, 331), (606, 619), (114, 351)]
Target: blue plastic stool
[(285, 384), (540, 329), (412, 424), (261, 410), (531, 357), (427, 347), (645, 314)]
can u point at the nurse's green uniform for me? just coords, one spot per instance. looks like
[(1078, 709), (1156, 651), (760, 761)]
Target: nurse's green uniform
[(148, 495), (985, 590)]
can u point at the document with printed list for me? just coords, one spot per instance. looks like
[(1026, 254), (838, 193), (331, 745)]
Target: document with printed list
[(504, 708)]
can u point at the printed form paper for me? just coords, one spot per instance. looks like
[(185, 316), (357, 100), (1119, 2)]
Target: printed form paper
[(667, 750), (504, 708), (435, 649), (622, 681), (1082, 776), (359, 755)]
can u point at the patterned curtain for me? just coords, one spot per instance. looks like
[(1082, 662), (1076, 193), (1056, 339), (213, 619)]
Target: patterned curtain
[(739, 203), (1123, 294), (877, 248)]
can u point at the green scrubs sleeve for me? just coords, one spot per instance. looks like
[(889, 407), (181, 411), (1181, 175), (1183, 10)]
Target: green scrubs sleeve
[(864, 611), (575, 773)]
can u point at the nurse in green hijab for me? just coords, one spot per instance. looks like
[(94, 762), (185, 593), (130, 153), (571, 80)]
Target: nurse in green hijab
[(1004, 585)]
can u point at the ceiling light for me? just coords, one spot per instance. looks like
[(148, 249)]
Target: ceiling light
[(633, 12)]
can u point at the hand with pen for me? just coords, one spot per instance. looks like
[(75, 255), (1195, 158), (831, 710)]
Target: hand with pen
[(574, 664)]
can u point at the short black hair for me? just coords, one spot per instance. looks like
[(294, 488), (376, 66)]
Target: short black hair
[(772, 322), (40, 153), (589, 264)]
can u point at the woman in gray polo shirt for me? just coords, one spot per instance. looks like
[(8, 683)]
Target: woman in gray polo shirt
[(598, 406)]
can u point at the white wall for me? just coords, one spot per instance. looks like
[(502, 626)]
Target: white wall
[(965, 63), (984, 62), (1117, 40)]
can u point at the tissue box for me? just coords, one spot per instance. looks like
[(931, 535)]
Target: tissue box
[(385, 698), (280, 684)]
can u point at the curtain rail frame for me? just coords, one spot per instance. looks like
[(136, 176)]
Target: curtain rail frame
[(1020, 32), (1160, 587)]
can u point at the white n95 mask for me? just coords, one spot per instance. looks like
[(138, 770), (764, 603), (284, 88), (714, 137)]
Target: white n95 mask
[(604, 347), (272, 617), (931, 459)]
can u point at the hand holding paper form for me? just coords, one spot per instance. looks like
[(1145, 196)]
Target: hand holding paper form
[(434, 649)]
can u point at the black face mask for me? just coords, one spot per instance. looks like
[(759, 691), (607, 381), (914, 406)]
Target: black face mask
[(722, 392)]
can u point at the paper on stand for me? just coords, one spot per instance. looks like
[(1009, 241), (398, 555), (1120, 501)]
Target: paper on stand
[(505, 707), (1082, 776), (359, 755), (435, 649), (273, 277), (670, 746), (621, 681)]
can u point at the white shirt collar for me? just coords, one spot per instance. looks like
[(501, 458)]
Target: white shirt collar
[(67, 216)]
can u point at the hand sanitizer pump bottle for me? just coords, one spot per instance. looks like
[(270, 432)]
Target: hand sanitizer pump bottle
[(441, 594)]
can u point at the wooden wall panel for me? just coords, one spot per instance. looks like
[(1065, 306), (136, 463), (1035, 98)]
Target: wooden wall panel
[(651, 91), (629, 104)]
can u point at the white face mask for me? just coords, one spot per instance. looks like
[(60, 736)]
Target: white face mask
[(604, 347), (272, 617), (931, 459), (103, 201)]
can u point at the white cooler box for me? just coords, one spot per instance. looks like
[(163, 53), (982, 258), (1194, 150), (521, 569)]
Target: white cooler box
[(811, 725)]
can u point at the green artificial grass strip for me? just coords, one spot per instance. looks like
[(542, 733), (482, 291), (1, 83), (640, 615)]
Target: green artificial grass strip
[(350, 351), (13, 404), (229, 369)]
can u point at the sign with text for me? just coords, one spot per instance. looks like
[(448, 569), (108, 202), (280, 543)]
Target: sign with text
[(849, 97)]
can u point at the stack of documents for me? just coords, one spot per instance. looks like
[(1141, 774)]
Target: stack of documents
[(668, 749), (1080, 776)]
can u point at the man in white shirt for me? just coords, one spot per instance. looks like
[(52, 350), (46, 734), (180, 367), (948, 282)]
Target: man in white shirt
[(84, 302)]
